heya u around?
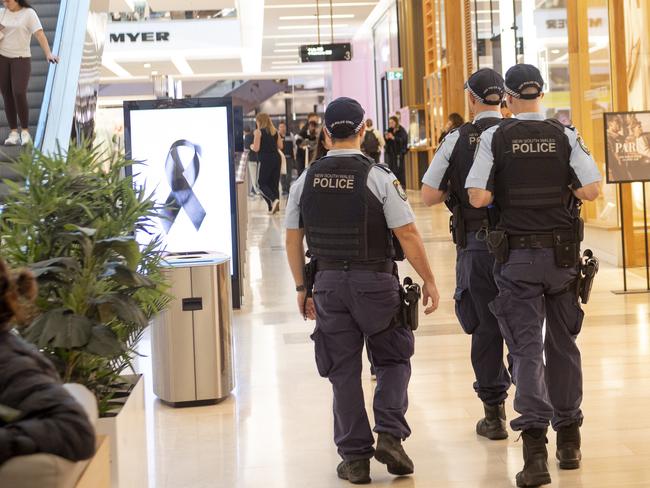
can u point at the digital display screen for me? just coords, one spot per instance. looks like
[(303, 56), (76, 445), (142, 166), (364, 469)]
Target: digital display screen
[(318, 53), (185, 162)]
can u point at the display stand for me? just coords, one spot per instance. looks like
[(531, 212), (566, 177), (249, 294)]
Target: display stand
[(625, 291)]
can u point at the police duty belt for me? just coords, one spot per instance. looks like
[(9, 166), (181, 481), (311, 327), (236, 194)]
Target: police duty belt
[(181, 180)]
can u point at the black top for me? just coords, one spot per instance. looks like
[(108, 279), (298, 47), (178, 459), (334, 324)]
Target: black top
[(268, 143), (399, 145), (49, 419)]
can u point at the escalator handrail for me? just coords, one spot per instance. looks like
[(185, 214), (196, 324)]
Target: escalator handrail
[(51, 75)]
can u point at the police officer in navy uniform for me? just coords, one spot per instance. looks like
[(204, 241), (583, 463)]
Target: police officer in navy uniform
[(349, 209), (444, 181), (535, 170)]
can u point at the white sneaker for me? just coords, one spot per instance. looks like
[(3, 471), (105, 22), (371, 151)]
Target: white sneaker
[(25, 138), (13, 139), (276, 206)]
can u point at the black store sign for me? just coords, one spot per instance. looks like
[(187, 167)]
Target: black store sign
[(317, 53)]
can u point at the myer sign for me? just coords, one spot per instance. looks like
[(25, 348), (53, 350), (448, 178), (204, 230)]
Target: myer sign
[(140, 37)]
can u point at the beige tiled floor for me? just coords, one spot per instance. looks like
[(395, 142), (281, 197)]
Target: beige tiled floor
[(276, 428)]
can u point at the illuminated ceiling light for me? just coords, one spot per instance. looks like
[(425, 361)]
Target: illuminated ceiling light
[(313, 17), (313, 5), (113, 66), (154, 73), (312, 26), (555, 51), (147, 65), (289, 43), (296, 36), (182, 66)]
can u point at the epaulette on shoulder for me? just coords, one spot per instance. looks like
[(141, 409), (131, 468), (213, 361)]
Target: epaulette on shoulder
[(383, 167)]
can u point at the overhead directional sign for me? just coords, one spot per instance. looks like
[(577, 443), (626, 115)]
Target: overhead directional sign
[(318, 53)]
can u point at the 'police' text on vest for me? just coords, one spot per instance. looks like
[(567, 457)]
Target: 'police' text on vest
[(333, 182)]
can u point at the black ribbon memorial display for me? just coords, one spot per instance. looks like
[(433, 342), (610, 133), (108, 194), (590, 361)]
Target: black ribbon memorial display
[(181, 179)]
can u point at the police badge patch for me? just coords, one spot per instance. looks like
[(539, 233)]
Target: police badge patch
[(400, 191), (583, 145)]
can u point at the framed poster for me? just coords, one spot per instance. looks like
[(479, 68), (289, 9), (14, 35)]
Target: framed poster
[(185, 154), (627, 145)]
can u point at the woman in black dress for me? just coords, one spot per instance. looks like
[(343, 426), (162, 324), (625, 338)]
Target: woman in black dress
[(267, 142)]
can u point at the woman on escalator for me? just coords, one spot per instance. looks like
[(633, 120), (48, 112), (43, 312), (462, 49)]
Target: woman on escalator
[(18, 23)]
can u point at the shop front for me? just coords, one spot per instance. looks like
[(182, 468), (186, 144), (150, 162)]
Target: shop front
[(595, 58)]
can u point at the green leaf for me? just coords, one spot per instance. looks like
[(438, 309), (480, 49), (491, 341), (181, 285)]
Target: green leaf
[(124, 246), (124, 276), (121, 306), (86, 231), (103, 342), (60, 328)]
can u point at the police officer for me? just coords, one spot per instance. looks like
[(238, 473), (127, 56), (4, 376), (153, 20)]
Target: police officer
[(534, 169), (349, 209), (444, 181)]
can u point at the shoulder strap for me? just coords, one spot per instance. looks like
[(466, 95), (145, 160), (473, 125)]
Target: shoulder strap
[(557, 124)]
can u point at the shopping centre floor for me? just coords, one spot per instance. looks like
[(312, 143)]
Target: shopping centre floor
[(276, 428)]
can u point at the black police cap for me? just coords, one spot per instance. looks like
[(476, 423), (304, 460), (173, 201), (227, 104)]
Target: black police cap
[(344, 117), (523, 76), (483, 83)]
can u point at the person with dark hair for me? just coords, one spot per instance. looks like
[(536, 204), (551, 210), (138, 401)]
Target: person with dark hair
[(37, 414), (454, 121), (307, 141), (322, 146), (396, 148), (289, 151), (373, 142), (19, 22), (351, 210)]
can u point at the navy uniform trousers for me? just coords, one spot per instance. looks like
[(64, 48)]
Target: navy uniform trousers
[(352, 306), (475, 290), (534, 291)]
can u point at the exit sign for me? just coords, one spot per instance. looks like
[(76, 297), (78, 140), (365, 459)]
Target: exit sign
[(395, 74)]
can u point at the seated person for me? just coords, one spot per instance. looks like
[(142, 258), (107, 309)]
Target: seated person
[(37, 415)]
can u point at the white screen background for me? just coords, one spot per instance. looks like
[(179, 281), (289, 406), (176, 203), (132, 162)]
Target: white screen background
[(152, 134)]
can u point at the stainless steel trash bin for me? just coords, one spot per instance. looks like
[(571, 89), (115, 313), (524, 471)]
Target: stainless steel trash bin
[(192, 344)]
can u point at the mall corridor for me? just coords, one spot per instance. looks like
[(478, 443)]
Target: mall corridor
[(275, 431)]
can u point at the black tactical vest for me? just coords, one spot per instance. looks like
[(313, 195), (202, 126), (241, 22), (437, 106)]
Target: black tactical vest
[(342, 218), (532, 176), (460, 162)]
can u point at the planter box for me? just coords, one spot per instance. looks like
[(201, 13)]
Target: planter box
[(127, 432)]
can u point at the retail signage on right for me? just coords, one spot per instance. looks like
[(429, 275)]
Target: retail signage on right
[(627, 142), (318, 53)]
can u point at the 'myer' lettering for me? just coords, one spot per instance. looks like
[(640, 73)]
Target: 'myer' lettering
[(140, 36)]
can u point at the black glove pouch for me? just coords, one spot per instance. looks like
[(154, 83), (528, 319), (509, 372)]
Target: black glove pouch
[(497, 243)]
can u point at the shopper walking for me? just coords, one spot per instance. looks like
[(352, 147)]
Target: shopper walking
[(373, 142), (351, 208), (19, 23), (396, 148), (267, 142), (534, 169), (306, 142), (253, 165), (444, 181), (289, 151)]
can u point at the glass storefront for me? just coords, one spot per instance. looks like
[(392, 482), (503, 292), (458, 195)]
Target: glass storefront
[(386, 46)]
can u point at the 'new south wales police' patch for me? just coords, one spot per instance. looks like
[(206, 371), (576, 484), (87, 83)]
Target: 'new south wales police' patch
[(400, 190)]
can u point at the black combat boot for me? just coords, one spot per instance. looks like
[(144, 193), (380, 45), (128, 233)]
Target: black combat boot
[(493, 425), (391, 453), (356, 472), (535, 472), (568, 447)]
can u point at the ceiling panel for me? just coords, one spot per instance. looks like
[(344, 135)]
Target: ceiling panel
[(136, 68), (121, 5), (164, 5), (211, 66)]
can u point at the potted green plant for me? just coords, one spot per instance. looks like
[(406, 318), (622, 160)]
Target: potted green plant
[(73, 224)]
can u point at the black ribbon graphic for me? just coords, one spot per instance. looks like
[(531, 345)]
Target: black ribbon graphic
[(182, 179)]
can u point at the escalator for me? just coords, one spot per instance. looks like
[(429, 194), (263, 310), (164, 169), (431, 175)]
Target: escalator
[(48, 12)]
